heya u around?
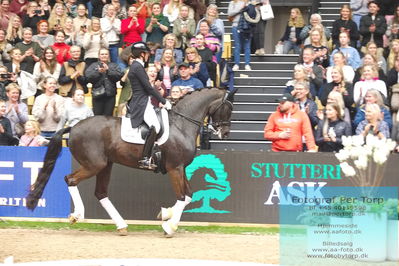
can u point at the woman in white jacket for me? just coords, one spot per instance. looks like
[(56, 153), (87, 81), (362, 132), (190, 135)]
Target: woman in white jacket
[(93, 41), (369, 81)]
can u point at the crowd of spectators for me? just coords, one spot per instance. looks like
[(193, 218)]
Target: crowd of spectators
[(346, 80), (53, 53)]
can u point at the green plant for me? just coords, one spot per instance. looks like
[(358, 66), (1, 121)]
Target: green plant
[(313, 217), (391, 207)]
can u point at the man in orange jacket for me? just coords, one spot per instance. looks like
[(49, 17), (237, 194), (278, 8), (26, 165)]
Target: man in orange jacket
[(286, 127)]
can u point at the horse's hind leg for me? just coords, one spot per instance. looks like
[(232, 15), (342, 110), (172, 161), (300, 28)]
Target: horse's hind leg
[(101, 193), (73, 180)]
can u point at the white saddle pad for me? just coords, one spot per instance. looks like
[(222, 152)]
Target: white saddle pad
[(133, 135)]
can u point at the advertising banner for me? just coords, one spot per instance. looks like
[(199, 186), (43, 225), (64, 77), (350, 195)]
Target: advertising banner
[(19, 167), (235, 187)]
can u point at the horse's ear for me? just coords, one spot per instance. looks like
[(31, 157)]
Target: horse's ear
[(230, 95)]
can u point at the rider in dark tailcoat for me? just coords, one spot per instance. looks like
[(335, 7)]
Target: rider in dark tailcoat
[(140, 108)]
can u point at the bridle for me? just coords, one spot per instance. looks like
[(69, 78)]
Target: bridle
[(213, 123)]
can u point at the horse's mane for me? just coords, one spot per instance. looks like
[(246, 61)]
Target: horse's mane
[(182, 102)]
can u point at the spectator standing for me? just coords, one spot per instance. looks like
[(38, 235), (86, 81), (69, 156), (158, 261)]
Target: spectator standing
[(169, 41), (259, 35), (314, 72), (369, 59), (345, 23), (320, 51), (351, 54), (120, 10), (48, 108), (19, 7), (171, 11), (291, 38), (393, 86), (300, 75), (184, 28), (373, 26), (337, 84), (132, 28), (98, 6), (393, 53), (6, 138), (5, 14), (206, 56), (287, 126), (167, 69), (16, 111), (61, 49), (359, 9), (315, 22), (372, 96), (369, 80), (14, 31), (211, 41), (47, 66), (71, 75), (331, 129), (57, 18), (33, 15), (216, 26), (339, 60), (305, 103), (32, 137), (104, 74), (5, 48), (186, 82), (93, 40), (81, 21), (143, 12), (42, 37), (75, 111), (69, 31), (5, 79), (71, 8), (111, 26), (126, 92), (31, 51), (372, 124), (197, 68), (157, 26), (392, 32)]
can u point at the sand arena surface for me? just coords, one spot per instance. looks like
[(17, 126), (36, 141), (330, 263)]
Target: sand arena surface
[(27, 245)]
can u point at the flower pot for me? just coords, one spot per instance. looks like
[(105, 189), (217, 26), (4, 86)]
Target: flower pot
[(392, 240), (370, 238), (315, 240)]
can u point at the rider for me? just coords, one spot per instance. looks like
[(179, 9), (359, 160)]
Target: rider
[(139, 107)]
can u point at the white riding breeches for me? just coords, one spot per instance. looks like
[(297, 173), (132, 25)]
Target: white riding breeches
[(150, 116)]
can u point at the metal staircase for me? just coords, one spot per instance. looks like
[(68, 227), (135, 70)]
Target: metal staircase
[(256, 97)]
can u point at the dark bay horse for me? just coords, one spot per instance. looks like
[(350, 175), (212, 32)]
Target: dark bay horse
[(96, 144)]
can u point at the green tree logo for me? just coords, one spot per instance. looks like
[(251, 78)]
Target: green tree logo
[(215, 187)]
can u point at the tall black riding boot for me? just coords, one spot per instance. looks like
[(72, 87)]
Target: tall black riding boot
[(146, 162)]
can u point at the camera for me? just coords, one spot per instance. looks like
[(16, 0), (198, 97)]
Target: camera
[(5, 76), (38, 11), (83, 27)]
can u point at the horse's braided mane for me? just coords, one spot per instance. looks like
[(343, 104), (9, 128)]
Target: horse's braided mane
[(192, 92)]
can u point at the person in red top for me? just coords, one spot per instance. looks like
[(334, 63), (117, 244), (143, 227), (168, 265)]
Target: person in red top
[(143, 9), (286, 127), (19, 7), (60, 48), (132, 27)]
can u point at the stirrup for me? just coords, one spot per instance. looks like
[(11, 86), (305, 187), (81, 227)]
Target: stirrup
[(147, 163)]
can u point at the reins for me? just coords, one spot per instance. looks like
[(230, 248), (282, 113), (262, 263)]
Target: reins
[(216, 123)]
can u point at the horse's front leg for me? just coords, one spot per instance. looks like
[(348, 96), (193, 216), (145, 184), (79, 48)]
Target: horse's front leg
[(172, 215)]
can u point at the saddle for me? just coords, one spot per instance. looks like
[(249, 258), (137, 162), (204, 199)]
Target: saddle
[(137, 135)]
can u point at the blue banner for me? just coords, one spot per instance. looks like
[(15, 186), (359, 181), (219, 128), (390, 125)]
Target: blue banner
[(19, 167)]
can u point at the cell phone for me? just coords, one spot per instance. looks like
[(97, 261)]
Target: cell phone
[(38, 11), (5, 76)]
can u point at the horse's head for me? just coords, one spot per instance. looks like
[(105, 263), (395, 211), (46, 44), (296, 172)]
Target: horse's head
[(220, 113)]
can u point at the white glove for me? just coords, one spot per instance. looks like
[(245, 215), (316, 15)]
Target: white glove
[(167, 105)]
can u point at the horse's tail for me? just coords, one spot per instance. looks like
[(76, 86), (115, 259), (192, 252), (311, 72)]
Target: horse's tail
[(53, 150)]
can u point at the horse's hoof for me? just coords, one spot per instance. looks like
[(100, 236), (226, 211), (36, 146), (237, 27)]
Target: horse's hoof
[(169, 228), (122, 231), (72, 219), (165, 214)]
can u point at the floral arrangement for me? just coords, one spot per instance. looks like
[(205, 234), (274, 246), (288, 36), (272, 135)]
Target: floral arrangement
[(364, 159)]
